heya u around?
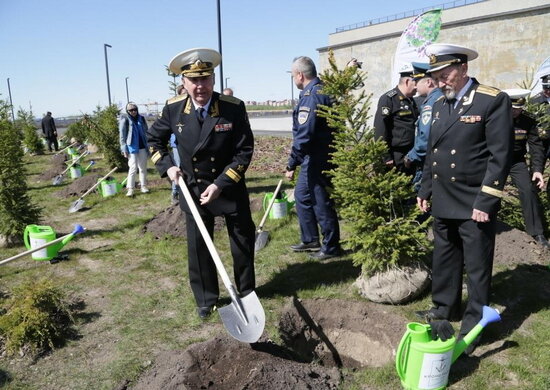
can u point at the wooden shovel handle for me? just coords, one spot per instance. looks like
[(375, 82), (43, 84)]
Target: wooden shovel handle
[(98, 182)]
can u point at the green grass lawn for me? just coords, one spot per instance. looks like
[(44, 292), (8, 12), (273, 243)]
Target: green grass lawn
[(136, 300)]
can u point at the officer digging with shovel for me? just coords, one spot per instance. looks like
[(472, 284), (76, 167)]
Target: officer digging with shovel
[(215, 145)]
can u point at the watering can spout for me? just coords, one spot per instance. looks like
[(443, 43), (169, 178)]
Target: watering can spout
[(77, 230), (489, 315)]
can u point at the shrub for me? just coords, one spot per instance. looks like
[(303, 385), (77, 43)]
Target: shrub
[(31, 140), (37, 316), (377, 203)]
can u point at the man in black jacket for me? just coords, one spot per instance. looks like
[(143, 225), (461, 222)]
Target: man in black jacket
[(467, 162), (50, 131), (526, 133), (215, 145)]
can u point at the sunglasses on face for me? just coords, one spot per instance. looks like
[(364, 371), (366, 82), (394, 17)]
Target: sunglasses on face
[(132, 110)]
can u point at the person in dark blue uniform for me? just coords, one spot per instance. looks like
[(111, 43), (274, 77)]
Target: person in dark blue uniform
[(427, 88), (526, 133), (395, 119), (215, 146), (467, 162), (311, 148)]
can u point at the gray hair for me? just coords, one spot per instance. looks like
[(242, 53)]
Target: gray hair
[(305, 65)]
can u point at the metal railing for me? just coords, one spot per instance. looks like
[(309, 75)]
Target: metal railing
[(407, 14)]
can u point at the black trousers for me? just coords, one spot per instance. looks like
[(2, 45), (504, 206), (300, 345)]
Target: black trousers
[(52, 141), (462, 244), (203, 276), (528, 196)]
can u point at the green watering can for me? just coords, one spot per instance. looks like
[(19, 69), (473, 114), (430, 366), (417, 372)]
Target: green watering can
[(110, 187), (41, 242), (423, 363), (281, 205)]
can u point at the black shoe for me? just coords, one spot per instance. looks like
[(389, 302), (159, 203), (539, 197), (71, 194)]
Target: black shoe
[(205, 311), (310, 247), (323, 256), (540, 239)]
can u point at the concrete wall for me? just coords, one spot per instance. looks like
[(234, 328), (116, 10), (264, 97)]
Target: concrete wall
[(511, 36)]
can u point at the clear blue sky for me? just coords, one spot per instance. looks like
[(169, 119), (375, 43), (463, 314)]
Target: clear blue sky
[(52, 50)]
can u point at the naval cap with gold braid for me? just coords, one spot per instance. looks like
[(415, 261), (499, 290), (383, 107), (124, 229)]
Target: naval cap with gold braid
[(442, 55), (518, 96), (196, 62)]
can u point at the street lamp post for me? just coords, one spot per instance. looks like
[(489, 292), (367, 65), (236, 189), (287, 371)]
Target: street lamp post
[(105, 46), (291, 87), (227, 78), (127, 95), (220, 43), (11, 102)]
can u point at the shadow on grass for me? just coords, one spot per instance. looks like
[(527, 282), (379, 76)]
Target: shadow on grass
[(5, 378), (308, 276)]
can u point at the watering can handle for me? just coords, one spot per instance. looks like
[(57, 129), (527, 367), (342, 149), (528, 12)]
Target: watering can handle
[(270, 204), (402, 353), (26, 237), (67, 147), (75, 161)]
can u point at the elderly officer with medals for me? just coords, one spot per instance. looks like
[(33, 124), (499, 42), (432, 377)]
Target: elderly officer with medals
[(468, 160), (526, 133), (311, 148), (215, 146), (395, 120)]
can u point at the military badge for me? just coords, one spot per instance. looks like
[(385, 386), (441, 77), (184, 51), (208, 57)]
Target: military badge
[(426, 117), (179, 125), (222, 127), (303, 114), (385, 111)]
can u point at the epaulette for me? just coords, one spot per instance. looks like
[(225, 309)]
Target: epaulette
[(230, 99), (176, 99), (441, 97), (391, 93), (485, 89)]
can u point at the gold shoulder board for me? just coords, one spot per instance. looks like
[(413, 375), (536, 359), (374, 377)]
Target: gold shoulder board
[(487, 90), (176, 99)]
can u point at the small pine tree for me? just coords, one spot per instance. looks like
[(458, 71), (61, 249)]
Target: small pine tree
[(31, 140), (374, 200), (16, 208)]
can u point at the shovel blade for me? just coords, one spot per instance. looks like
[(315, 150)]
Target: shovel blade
[(261, 240), (77, 205), (246, 330), (57, 180)]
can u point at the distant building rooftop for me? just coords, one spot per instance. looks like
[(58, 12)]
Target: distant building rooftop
[(407, 14)]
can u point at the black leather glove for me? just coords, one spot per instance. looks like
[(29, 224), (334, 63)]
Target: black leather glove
[(442, 329)]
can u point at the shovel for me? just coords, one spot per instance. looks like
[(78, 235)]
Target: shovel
[(263, 237), (77, 204), (65, 148), (244, 319), (77, 230), (59, 178)]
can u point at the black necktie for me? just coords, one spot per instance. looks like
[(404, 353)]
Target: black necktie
[(451, 103), (200, 112)]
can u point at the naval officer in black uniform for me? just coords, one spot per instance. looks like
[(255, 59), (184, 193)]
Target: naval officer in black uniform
[(526, 132), (395, 120), (215, 145), (467, 162), (543, 98)]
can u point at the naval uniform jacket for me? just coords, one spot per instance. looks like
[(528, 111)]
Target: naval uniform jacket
[(541, 99), (217, 152), (469, 153), (394, 121), (526, 133)]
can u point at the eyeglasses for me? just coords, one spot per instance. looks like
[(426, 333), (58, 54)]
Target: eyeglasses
[(132, 109)]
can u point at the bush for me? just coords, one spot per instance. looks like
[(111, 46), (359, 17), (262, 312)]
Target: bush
[(77, 130), (16, 209), (377, 203), (37, 316), (31, 140)]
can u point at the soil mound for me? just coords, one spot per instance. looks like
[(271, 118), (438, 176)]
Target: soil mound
[(357, 334), (226, 364), (515, 246), (270, 154), (58, 166), (79, 186)]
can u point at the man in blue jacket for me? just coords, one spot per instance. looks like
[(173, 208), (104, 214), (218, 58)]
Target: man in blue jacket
[(427, 88), (311, 148)]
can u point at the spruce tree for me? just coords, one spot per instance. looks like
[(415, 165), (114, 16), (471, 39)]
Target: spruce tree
[(377, 203), (16, 208), (32, 142)]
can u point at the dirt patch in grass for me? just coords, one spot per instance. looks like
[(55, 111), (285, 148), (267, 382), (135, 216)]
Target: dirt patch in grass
[(225, 364), (79, 186), (514, 246), (57, 166), (270, 154)]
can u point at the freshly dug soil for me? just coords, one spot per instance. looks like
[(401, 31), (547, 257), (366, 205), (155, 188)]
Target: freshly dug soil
[(79, 186), (58, 166)]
